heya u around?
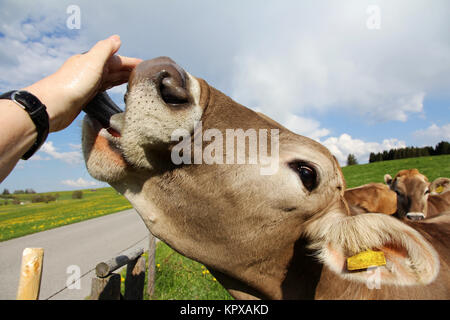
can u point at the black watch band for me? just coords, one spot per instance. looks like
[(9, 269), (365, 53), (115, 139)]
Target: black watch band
[(38, 113)]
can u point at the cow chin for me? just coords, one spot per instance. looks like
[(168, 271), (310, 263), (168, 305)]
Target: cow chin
[(102, 155)]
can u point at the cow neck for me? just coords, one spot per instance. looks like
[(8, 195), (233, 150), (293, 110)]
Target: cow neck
[(303, 273)]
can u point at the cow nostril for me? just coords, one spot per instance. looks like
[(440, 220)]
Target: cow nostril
[(172, 92), (169, 79)]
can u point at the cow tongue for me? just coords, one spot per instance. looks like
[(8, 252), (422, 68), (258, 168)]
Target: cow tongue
[(102, 108)]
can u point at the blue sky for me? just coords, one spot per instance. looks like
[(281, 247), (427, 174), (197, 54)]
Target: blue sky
[(314, 66)]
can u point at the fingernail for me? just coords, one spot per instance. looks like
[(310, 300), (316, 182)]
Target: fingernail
[(115, 38)]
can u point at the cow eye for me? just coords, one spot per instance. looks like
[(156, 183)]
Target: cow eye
[(427, 191), (307, 174)]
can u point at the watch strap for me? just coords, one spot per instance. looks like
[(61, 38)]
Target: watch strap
[(37, 112)]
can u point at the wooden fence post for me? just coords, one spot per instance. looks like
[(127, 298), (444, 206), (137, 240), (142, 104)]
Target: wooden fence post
[(30, 274), (151, 266), (107, 288), (135, 279)]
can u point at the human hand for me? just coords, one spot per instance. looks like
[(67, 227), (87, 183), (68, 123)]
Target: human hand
[(80, 78)]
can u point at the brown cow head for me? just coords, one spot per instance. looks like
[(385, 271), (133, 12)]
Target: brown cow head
[(412, 189), (245, 215)]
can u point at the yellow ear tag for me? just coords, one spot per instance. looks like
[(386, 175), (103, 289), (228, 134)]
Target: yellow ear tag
[(366, 259), (439, 189)]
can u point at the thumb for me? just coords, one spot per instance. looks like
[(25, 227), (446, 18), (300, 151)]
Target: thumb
[(105, 49)]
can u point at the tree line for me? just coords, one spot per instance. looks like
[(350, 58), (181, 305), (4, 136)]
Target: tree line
[(442, 147), (26, 191), (35, 198)]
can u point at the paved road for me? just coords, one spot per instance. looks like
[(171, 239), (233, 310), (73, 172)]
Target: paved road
[(82, 244)]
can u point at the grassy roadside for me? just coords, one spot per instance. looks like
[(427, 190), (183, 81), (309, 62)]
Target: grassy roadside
[(179, 278), (20, 220)]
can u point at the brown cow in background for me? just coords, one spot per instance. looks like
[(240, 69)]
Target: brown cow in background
[(372, 197), (413, 196)]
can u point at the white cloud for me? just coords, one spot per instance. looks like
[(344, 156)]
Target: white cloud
[(28, 61), (343, 145), (34, 41), (75, 146), (38, 157), (80, 183), (336, 63), (340, 146), (307, 127), (70, 157), (297, 62), (433, 134)]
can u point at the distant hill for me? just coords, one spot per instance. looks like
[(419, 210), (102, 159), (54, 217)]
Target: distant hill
[(432, 166)]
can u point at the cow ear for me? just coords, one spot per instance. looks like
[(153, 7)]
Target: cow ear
[(408, 258), (388, 179)]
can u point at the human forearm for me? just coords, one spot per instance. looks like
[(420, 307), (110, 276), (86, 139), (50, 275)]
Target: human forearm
[(17, 135), (64, 93)]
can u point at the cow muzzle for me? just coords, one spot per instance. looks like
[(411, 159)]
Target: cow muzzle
[(415, 216), (161, 98)]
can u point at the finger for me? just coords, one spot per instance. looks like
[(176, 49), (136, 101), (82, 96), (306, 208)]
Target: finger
[(110, 85), (104, 49), (116, 63), (115, 79)]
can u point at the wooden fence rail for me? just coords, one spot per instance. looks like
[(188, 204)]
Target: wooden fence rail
[(103, 269), (106, 286)]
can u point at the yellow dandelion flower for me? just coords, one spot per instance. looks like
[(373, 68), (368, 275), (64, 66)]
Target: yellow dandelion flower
[(214, 279), (158, 265)]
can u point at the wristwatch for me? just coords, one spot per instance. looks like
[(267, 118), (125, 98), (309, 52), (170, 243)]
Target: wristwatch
[(37, 112)]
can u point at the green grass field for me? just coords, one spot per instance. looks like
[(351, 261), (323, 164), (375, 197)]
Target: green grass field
[(433, 167), (179, 278), (20, 220)]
